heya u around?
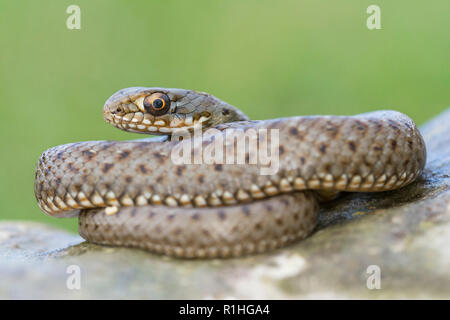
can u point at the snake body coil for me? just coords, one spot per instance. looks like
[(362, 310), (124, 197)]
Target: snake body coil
[(131, 193)]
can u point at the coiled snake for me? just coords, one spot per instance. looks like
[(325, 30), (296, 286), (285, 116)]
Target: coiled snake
[(131, 193)]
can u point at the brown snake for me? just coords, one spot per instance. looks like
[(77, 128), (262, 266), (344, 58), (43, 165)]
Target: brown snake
[(131, 193)]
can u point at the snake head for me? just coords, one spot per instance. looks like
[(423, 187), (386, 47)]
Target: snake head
[(164, 111)]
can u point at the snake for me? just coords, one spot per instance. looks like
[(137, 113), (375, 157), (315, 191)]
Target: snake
[(132, 193)]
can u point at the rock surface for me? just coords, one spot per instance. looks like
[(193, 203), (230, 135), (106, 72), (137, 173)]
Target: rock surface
[(403, 234)]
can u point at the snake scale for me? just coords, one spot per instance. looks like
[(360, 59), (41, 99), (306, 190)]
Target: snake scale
[(130, 193)]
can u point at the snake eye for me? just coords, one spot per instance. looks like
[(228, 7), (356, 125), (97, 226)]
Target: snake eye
[(157, 104)]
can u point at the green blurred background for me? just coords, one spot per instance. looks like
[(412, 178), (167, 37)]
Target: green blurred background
[(269, 58)]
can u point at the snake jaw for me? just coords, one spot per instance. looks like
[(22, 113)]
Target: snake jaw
[(139, 122)]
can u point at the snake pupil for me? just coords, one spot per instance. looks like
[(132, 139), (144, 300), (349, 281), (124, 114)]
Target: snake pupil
[(158, 103)]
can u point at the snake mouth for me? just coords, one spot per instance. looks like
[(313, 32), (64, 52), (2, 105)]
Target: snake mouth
[(145, 123)]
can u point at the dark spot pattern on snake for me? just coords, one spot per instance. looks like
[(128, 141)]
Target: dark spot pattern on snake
[(150, 199)]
